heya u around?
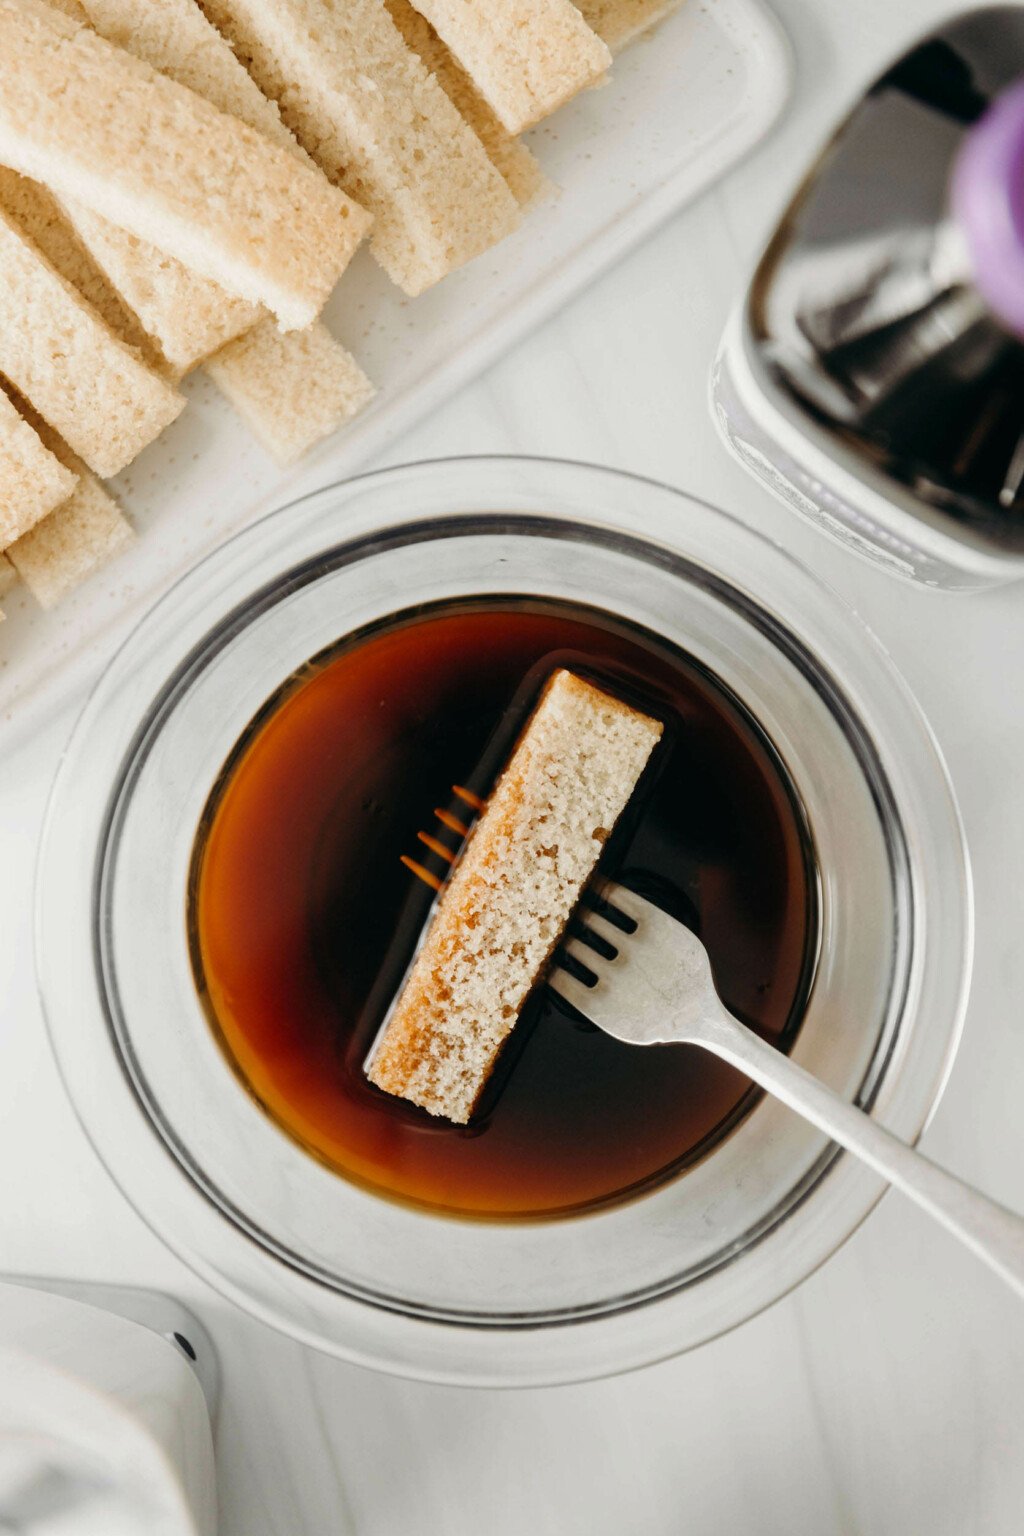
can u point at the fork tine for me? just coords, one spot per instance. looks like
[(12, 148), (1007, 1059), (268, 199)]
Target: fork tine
[(575, 992), (621, 898), (595, 923), (587, 957)]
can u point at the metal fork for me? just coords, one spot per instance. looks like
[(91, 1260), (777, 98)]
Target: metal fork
[(656, 987)]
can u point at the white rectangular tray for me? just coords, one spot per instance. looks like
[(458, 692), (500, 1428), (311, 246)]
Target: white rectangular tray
[(683, 105)]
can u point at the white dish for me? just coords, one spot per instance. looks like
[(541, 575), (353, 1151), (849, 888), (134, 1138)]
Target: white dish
[(683, 105)]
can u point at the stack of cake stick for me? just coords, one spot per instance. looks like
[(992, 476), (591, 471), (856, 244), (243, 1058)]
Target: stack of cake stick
[(126, 175), (186, 181)]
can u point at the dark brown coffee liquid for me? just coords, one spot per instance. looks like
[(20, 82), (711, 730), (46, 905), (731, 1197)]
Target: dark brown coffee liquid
[(303, 918)]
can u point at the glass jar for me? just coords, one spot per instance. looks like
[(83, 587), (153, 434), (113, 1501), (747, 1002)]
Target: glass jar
[(404, 1289)]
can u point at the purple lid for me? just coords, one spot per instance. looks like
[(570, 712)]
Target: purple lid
[(988, 205)]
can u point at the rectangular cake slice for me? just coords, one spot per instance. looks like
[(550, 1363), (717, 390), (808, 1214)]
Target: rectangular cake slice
[(38, 213), (513, 891), (293, 387), (378, 123), (527, 58), (60, 354), (98, 125), (32, 480), (290, 390), (186, 317), (76, 538), (526, 181), (69, 545)]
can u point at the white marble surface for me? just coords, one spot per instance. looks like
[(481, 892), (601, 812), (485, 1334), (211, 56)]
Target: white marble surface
[(885, 1397)]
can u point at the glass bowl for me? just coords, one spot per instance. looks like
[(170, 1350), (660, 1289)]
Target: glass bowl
[(409, 1290)]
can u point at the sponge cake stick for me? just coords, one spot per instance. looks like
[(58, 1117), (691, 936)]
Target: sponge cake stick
[(512, 893), (96, 124), (32, 480), (66, 361), (77, 537), (186, 316), (526, 180), (176, 38), (290, 388), (69, 545), (373, 117), (40, 216), (525, 57)]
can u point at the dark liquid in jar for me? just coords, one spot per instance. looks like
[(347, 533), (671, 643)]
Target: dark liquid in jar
[(303, 919)]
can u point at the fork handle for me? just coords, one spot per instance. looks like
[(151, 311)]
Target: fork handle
[(991, 1231)]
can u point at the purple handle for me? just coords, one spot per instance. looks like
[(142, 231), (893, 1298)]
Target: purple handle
[(988, 205)]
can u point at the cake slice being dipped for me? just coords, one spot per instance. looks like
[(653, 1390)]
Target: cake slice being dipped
[(569, 778)]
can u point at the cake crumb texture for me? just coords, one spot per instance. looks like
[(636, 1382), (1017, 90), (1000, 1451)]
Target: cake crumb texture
[(66, 547), (65, 360), (49, 225), (521, 170), (527, 58), (185, 316), (378, 123), (73, 541), (32, 480), (291, 390), (94, 123), (190, 316)]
